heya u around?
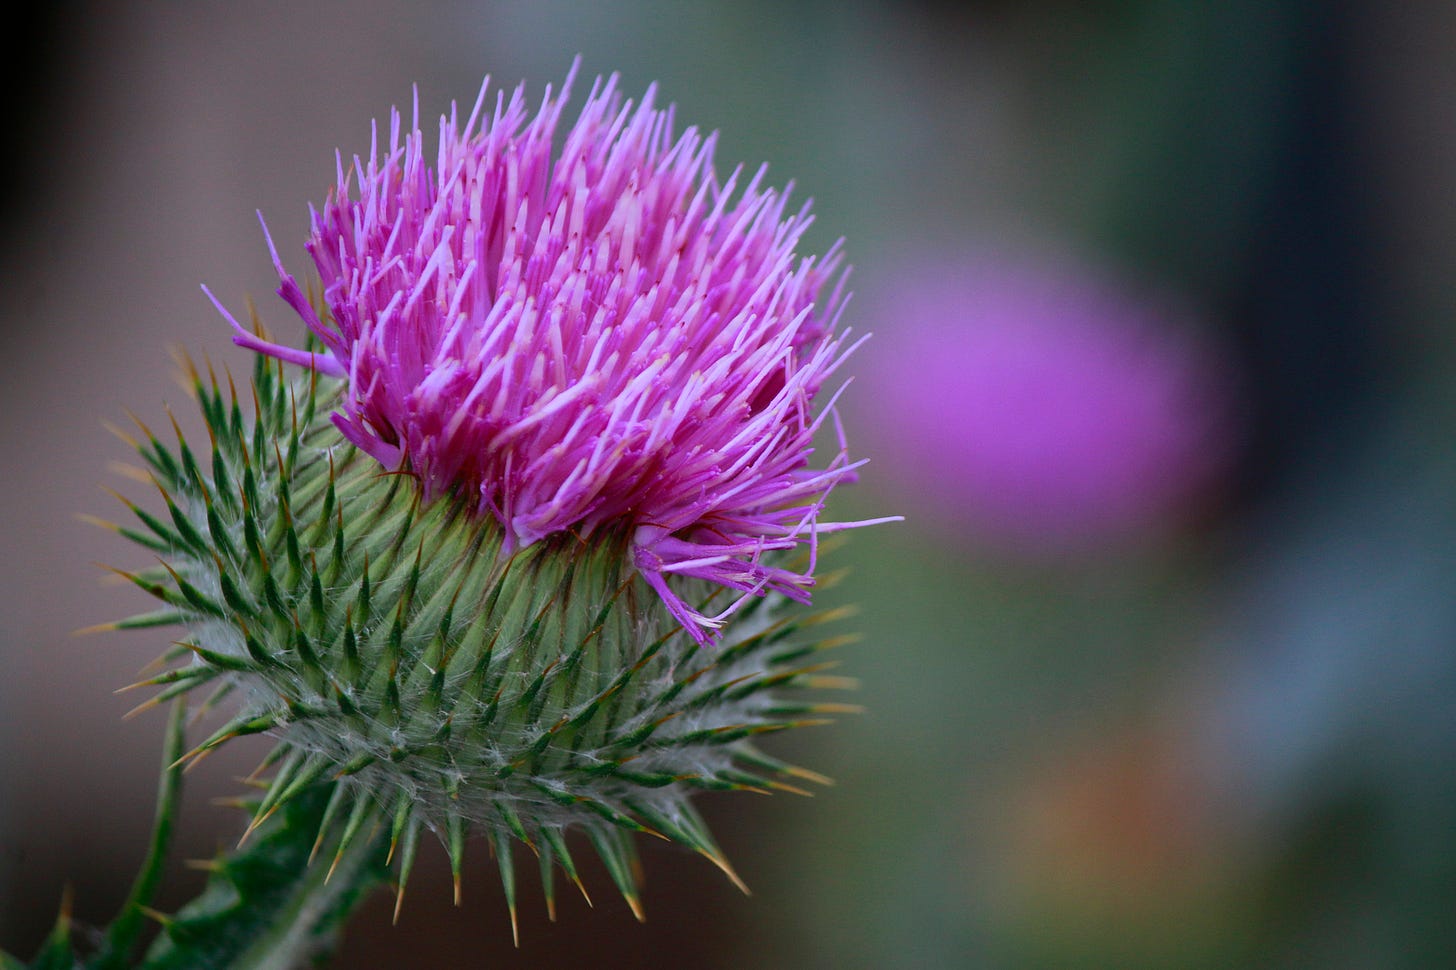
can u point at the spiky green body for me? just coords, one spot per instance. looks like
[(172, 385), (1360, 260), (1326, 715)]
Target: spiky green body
[(397, 655)]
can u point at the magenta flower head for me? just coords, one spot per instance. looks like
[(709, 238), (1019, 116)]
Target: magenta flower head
[(609, 339), (1040, 407), (506, 544)]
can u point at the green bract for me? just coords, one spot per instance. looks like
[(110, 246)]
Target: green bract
[(430, 682)]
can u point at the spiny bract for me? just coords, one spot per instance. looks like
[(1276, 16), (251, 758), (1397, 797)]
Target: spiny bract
[(384, 642)]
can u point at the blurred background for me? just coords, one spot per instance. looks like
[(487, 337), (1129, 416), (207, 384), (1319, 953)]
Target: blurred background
[(1159, 670)]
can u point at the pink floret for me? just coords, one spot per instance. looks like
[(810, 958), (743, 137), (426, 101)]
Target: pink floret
[(608, 339)]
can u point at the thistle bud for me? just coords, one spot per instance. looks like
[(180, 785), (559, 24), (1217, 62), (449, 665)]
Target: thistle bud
[(507, 547)]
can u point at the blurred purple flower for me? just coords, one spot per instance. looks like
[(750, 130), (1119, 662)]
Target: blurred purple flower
[(1040, 407), (610, 340)]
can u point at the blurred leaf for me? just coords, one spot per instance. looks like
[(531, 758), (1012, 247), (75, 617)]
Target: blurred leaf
[(57, 953)]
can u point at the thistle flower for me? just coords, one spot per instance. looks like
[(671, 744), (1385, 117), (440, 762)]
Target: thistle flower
[(610, 339), (505, 545)]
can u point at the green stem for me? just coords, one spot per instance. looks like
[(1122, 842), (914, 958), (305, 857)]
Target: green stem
[(115, 952)]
